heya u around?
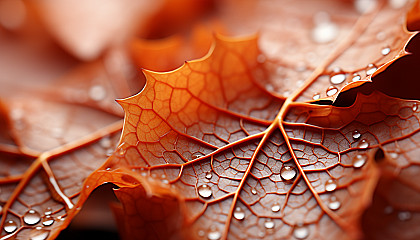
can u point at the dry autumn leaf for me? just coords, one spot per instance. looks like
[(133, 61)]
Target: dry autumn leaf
[(291, 134)]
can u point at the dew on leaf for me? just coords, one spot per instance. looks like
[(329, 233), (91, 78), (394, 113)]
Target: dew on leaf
[(301, 232), (356, 135), (196, 155), (356, 77), (209, 175), (370, 69), (363, 144), (31, 217), (214, 235), (269, 223), (393, 155), (331, 90), (415, 107), (404, 216), (105, 142), (324, 31), (287, 173), (365, 6), (10, 226), (338, 78), (385, 51), (47, 220), (48, 211), (38, 234), (239, 214), (204, 191), (253, 191), (330, 185), (316, 96), (97, 93), (275, 208), (359, 160), (333, 203)]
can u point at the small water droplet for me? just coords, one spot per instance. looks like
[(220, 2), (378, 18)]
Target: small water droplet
[(334, 204), (275, 208), (393, 155), (38, 234), (253, 191), (385, 51), (121, 149), (363, 144), (404, 216), (239, 214), (47, 221), (48, 211), (365, 6), (356, 77), (338, 78), (269, 223), (209, 175), (214, 235), (105, 142), (300, 232), (324, 31), (204, 191), (31, 217), (196, 155), (331, 90), (330, 185), (370, 69), (287, 173), (356, 135), (97, 93), (359, 160), (415, 107), (316, 96), (10, 226)]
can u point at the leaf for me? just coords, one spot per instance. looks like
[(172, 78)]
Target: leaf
[(242, 158)]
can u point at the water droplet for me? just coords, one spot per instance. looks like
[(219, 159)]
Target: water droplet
[(269, 224), (338, 78), (330, 185), (97, 93), (316, 96), (253, 191), (204, 191), (239, 214), (363, 144), (48, 211), (393, 155), (356, 135), (287, 173), (47, 220), (209, 175), (415, 107), (370, 69), (105, 142), (300, 232), (275, 208), (385, 51), (10, 226), (359, 160), (356, 77), (324, 31), (334, 204), (331, 90), (365, 6), (31, 217), (121, 149), (404, 216), (214, 235), (38, 234), (397, 3), (196, 155)]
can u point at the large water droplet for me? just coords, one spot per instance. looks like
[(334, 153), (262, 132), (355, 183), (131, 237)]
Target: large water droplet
[(316, 96), (275, 208), (38, 234), (338, 78), (385, 51), (47, 220), (363, 144), (404, 216), (356, 135), (239, 214), (324, 31), (331, 90), (31, 217), (10, 226), (205, 191), (214, 235), (370, 69), (97, 93), (365, 6), (330, 185), (253, 191), (334, 204), (301, 232), (287, 173), (356, 77), (269, 224), (359, 160)]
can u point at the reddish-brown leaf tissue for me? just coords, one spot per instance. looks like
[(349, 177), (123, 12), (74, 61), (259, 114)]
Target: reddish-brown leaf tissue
[(307, 129)]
